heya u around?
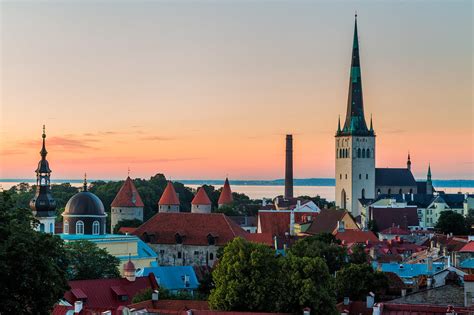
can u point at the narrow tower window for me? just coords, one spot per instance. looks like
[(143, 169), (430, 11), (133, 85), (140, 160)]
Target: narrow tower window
[(95, 228), (368, 153), (358, 153), (363, 153)]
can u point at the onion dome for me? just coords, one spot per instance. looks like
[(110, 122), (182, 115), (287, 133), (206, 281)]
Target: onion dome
[(43, 203), (84, 203), (201, 198), (226, 194), (127, 196), (169, 196)]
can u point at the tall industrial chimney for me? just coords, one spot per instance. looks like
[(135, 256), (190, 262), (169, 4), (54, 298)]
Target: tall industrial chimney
[(289, 167)]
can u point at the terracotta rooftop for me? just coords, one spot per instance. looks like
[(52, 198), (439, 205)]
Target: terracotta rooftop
[(169, 196), (201, 197), (326, 221), (127, 196), (355, 308), (193, 228), (277, 223), (226, 194), (355, 236), (468, 248)]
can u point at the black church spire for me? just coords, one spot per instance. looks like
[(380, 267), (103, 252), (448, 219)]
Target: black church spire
[(355, 121)]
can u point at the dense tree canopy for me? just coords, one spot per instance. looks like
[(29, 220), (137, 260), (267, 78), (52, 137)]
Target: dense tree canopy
[(323, 245), (33, 272), (357, 280), (358, 254), (452, 222), (126, 223), (87, 261)]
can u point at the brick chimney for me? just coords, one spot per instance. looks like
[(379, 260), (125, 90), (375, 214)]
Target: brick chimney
[(289, 167)]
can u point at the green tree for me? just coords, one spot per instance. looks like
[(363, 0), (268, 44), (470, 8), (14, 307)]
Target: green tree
[(324, 246), (357, 280), (228, 210), (373, 226), (127, 223), (246, 278), (358, 254), (306, 282), (33, 268), (88, 261), (452, 222)]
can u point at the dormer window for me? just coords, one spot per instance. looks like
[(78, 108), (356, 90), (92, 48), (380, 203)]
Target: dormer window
[(211, 240)]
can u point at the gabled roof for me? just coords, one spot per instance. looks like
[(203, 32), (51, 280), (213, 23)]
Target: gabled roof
[(277, 222), (100, 294), (395, 177), (387, 217), (169, 196), (127, 196), (173, 277), (166, 306), (468, 248), (354, 308), (454, 201), (201, 197), (350, 236), (394, 230), (226, 194), (326, 221), (193, 228), (440, 296)]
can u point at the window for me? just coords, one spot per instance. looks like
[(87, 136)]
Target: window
[(411, 191), (66, 227), (368, 153), (162, 252), (378, 191), (211, 240), (95, 228), (179, 255), (360, 176), (196, 253), (211, 256), (389, 191), (51, 228), (366, 176), (363, 193), (358, 152), (348, 153), (41, 227), (178, 238), (346, 176), (340, 176), (363, 153), (79, 227)]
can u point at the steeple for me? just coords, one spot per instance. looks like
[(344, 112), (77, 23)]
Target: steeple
[(43, 203), (409, 162), (339, 124), (355, 121), (428, 179)]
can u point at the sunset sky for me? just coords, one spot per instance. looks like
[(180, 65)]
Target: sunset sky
[(202, 89)]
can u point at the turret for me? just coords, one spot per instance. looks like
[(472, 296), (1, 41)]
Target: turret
[(129, 270), (225, 197), (169, 201), (201, 202), (43, 204), (127, 204)]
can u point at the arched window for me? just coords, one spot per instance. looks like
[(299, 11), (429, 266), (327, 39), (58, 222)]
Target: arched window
[(66, 227), (95, 228), (368, 153), (51, 228), (389, 191), (363, 194), (79, 227), (343, 199), (348, 153), (41, 227), (358, 152), (340, 176), (363, 153)]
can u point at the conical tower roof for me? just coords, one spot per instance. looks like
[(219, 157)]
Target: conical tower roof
[(226, 194), (201, 198), (128, 196), (169, 196)]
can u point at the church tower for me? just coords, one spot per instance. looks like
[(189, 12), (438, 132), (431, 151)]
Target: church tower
[(43, 203), (355, 145)]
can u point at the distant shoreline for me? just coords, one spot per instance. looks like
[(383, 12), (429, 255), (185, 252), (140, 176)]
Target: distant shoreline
[(329, 182)]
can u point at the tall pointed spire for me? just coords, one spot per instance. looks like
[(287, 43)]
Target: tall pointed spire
[(339, 124), (409, 161), (43, 151), (355, 121), (429, 173)]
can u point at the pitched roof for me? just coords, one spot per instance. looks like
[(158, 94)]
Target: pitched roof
[(326, 221), (102, 293), (350, 236), (441, 296), (395, 177), (127, 196), (170, 305), (455, 201), (468, 248), (393, 230), (261, 238), (354, 308), (169, 196), (194, 228), (277, 223), (172, 277), (226, 194), (388, 216), (201, 197)]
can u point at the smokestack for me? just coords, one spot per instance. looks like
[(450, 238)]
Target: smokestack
[(289, 167)]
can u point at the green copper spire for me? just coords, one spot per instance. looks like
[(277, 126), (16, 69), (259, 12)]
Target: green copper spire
[(355, 121)]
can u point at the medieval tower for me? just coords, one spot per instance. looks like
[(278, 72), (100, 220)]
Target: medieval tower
[(355, 145)]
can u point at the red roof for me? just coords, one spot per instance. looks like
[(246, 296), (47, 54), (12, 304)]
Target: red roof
[(469, 278), (468, 248), (61, 309), (262, 238), (127, 196), (169, 196), (388, 308), (165, 306), (101, 294), (201, 197), (393, 230), (226, 194), (356, 236), (326, 221), (355, 308), (193, 228), (278, 222)]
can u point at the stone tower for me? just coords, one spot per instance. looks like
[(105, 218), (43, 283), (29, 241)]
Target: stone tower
[(201, 202), (127, 204), (289, 167), (355, 145), (43, 204), (169, 201)]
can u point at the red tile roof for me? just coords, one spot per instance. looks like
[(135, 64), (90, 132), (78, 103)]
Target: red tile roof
[(468, 248), (201, 197), (388, 308), (355, 308), (194, 228), (61, 309), (100, 294), (169, 196), (278, 222), (469, 278), (170, 305), (127, 196), (326, 221), (393, 230), (262, 238), (356, 236), (226, 194)]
